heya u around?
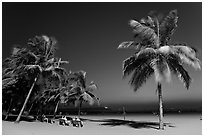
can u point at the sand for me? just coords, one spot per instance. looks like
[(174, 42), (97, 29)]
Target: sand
[(180, 124)]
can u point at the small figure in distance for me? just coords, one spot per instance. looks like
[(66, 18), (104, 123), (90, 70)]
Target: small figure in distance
[(77, 122)]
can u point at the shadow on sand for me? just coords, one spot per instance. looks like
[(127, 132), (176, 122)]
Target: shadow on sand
[(105, 122), (132, 124)]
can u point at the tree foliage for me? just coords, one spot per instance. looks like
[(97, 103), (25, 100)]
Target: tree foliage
[(37, 59), (154, 54)]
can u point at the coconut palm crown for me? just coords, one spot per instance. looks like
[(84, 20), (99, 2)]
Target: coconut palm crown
[(154, 54)]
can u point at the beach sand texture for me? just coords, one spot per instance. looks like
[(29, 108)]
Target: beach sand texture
[(176, 124)]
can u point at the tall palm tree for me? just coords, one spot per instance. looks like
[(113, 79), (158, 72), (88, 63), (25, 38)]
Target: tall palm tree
[(80, 92), (155, 55)]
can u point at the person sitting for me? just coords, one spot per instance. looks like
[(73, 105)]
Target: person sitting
[(44, 118), (76, 122), (63, 121)]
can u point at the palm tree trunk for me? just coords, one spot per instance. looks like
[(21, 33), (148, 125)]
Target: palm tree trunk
[(79, 111), (161, 124), (9, 108), (26, 100), (158, 42), (56, 107), (124, 113), (30, 108)]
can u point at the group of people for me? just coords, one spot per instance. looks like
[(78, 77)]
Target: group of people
[(76, 122)]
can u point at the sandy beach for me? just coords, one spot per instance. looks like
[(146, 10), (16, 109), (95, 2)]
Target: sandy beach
[(176, 124)]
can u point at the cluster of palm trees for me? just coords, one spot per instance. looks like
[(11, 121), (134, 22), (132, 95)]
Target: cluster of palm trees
[(154, 54), (34, 79)]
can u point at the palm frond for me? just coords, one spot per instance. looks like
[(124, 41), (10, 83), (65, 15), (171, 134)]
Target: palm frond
[(33, 55), (77, 90), (51, 61), (15, 51), (86, 97), (50, 68), (130, 44), (149, 21), (145, 34), (64, 62), (92, 86), (129, 65), (133, 45), (57, 72), (168, 26), (73, 94), (56, 75), (30, 67), (92, 95), (187, 55), (52, 98), (140, 76), (7, 72), (135, 61), (60, 70), (57, 97), (8, 82), (147, 52), (177, 68)]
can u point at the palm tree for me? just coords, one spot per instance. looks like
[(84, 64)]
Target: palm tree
[(155, 55), (35, 64), (14, 80), (80, 92)]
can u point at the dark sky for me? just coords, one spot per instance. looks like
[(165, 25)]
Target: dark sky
[(88, 36)]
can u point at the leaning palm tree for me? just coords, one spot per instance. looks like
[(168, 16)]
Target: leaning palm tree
[(155, 55), (80, 92), (14, 79), (51, 71)]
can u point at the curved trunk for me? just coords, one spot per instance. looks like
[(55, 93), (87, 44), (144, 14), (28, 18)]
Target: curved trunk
[(26, 100), (9, 108), (30, 108), (161, 124), (124, 113), (56, 107)]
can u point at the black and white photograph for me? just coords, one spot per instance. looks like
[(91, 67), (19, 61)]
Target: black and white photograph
[(101, 68)]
